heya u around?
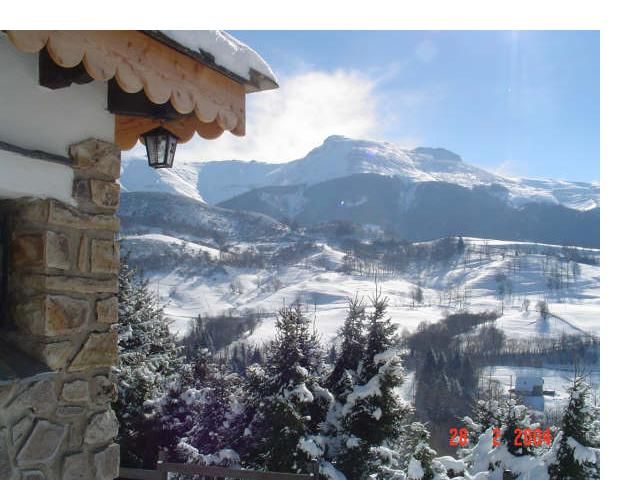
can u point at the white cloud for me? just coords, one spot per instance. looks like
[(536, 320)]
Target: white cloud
[(286, 123), (508, 168)]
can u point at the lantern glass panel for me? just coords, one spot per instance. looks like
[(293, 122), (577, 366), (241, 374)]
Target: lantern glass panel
[(161, 148)]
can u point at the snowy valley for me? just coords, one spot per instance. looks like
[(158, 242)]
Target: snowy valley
[(474, 313)]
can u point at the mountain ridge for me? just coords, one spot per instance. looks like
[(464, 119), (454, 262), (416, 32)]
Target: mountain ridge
[(338, 156)]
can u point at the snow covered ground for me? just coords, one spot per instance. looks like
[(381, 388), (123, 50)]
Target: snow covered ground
[(317, 282), (556, 378)]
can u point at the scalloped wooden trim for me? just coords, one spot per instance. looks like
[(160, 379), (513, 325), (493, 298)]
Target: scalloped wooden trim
[(129, 129), (139, 62)]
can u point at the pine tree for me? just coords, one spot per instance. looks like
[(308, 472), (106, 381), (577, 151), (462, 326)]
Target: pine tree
[(485, 415), (340, 382), (484, 455), (148, 356), (578, 455), (415, 453), (373, 412), (517, 417), (217, 426), (288, 403), (179, 410)]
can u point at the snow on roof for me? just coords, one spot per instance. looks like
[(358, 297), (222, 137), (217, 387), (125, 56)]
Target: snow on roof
[(224, 51)]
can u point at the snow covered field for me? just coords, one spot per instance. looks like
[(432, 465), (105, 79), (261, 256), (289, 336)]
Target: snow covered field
[(467, 283)]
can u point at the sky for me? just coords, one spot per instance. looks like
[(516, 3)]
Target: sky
[(520, 103)]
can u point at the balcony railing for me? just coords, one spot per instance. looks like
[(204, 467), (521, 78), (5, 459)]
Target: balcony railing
[(164, 469)]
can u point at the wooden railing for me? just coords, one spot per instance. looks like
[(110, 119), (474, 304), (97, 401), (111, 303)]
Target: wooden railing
[(164, 469), (162, 473)]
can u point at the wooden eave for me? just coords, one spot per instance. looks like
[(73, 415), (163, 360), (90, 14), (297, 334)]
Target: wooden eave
[(256, 83), (208, 100)]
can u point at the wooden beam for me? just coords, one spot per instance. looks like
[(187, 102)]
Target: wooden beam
[(137, 104), (139, 474), (53, 76), (212, 471)]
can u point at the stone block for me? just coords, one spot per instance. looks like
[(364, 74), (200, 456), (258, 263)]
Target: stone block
[(63, 215), (57, 251), (42, 397), (96, 157), (105, 256), (34, 210), (76, 391), (44, 249), (69, 411), (20, 430), (105, 194), (97, 193), (107, 463), (104, 390), (51, 315), (99, 350), (33, 475), (39, 397), (107, 310), (56, 355), (29, 315), (6, 393), (77, 285), (64, 315), (76, 467), (5, 461), (76, 435), (28, 250), (82, 190), (42, 445), (102, 428)]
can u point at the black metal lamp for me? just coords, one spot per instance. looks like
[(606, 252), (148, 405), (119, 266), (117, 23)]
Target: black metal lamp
[(161, 147)]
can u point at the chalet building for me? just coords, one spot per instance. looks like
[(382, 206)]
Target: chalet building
[(528, 385), (70, 102)]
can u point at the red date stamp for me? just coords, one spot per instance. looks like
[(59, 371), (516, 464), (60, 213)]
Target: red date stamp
[(524, 437)]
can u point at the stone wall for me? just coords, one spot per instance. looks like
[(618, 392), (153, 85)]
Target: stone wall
[(64, 260)]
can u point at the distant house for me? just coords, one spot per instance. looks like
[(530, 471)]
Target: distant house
[(526, 385)]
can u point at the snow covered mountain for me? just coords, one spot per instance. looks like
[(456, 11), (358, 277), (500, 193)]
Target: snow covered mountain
[(337, 157)]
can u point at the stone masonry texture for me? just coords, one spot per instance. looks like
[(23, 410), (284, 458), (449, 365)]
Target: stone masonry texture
[(58, 424)]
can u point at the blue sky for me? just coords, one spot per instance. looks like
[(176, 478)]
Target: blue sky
[(522, 103)]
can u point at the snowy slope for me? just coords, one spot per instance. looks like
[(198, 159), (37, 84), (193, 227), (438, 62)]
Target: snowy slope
[(338, 157), (316, 280)]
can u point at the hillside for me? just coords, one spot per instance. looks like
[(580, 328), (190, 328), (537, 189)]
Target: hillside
[(200, 283), (423, 210)]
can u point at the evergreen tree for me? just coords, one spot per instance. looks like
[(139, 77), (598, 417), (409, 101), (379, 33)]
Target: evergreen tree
[(148, 356), (179, 410), (373, 412), (218, 424), (340, 382), (415, 453), (517, 417), (578, 456), (287, 401)]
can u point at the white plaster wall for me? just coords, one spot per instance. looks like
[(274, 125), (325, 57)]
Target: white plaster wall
[(38, 118), (22, 176)]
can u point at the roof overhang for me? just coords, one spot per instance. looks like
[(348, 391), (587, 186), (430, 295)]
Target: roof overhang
[(208, 99)]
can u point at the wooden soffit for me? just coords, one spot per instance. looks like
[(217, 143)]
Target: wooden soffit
[(210, 102)]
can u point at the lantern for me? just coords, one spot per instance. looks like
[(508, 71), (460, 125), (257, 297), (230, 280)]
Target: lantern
[(161, 147)]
